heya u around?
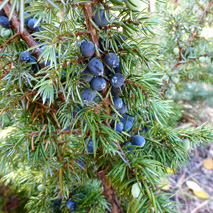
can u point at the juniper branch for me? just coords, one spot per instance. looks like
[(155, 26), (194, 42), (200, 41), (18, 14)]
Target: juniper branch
[(191, 36), (10, 39), (109, 192), (25, 34), (15, 102)]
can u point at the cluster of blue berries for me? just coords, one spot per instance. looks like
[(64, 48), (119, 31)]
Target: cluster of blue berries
[(25, 56), (99, 73), (33, 26), (94, 74), (5, 32), (125, 123), (137, 141), (31, 23), (71, 205)]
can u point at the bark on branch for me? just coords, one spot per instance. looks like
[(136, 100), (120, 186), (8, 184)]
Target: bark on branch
[(25, 35), (110, 194), (87, 8)]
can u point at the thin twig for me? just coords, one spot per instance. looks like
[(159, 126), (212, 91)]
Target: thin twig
[(75, 61), (200, 206), (15, 102), (34, 112), (8, 63), (135, 85), (46, 107), (10, 39), (105, 5), (122, 50), (103, 101), (71, 34), (186, 62), (122, 152), (32, 143), (54, 132)]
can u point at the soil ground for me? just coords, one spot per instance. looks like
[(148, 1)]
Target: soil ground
[(194, 115)]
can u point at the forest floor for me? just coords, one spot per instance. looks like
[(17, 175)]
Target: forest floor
[(198, 170), (195, 172)]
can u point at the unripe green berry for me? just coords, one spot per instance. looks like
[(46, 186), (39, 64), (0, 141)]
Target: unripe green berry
[(186, 144), (172, 91), (136, 189), (207, 60), (202, 59), (5, 32), (169, 93), (176, 51)]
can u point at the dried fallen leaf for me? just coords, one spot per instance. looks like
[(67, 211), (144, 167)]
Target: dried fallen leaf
[(201, 194), (193, 186), (165, 183), (208, 163)]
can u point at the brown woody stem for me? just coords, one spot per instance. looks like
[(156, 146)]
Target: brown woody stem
[(15, 102), (8, 63), (10, 39), (110, 194), (25, 34), (87, 8)]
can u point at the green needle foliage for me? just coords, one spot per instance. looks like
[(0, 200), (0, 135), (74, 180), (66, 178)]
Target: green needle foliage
[(180, 24), (46, 155)]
